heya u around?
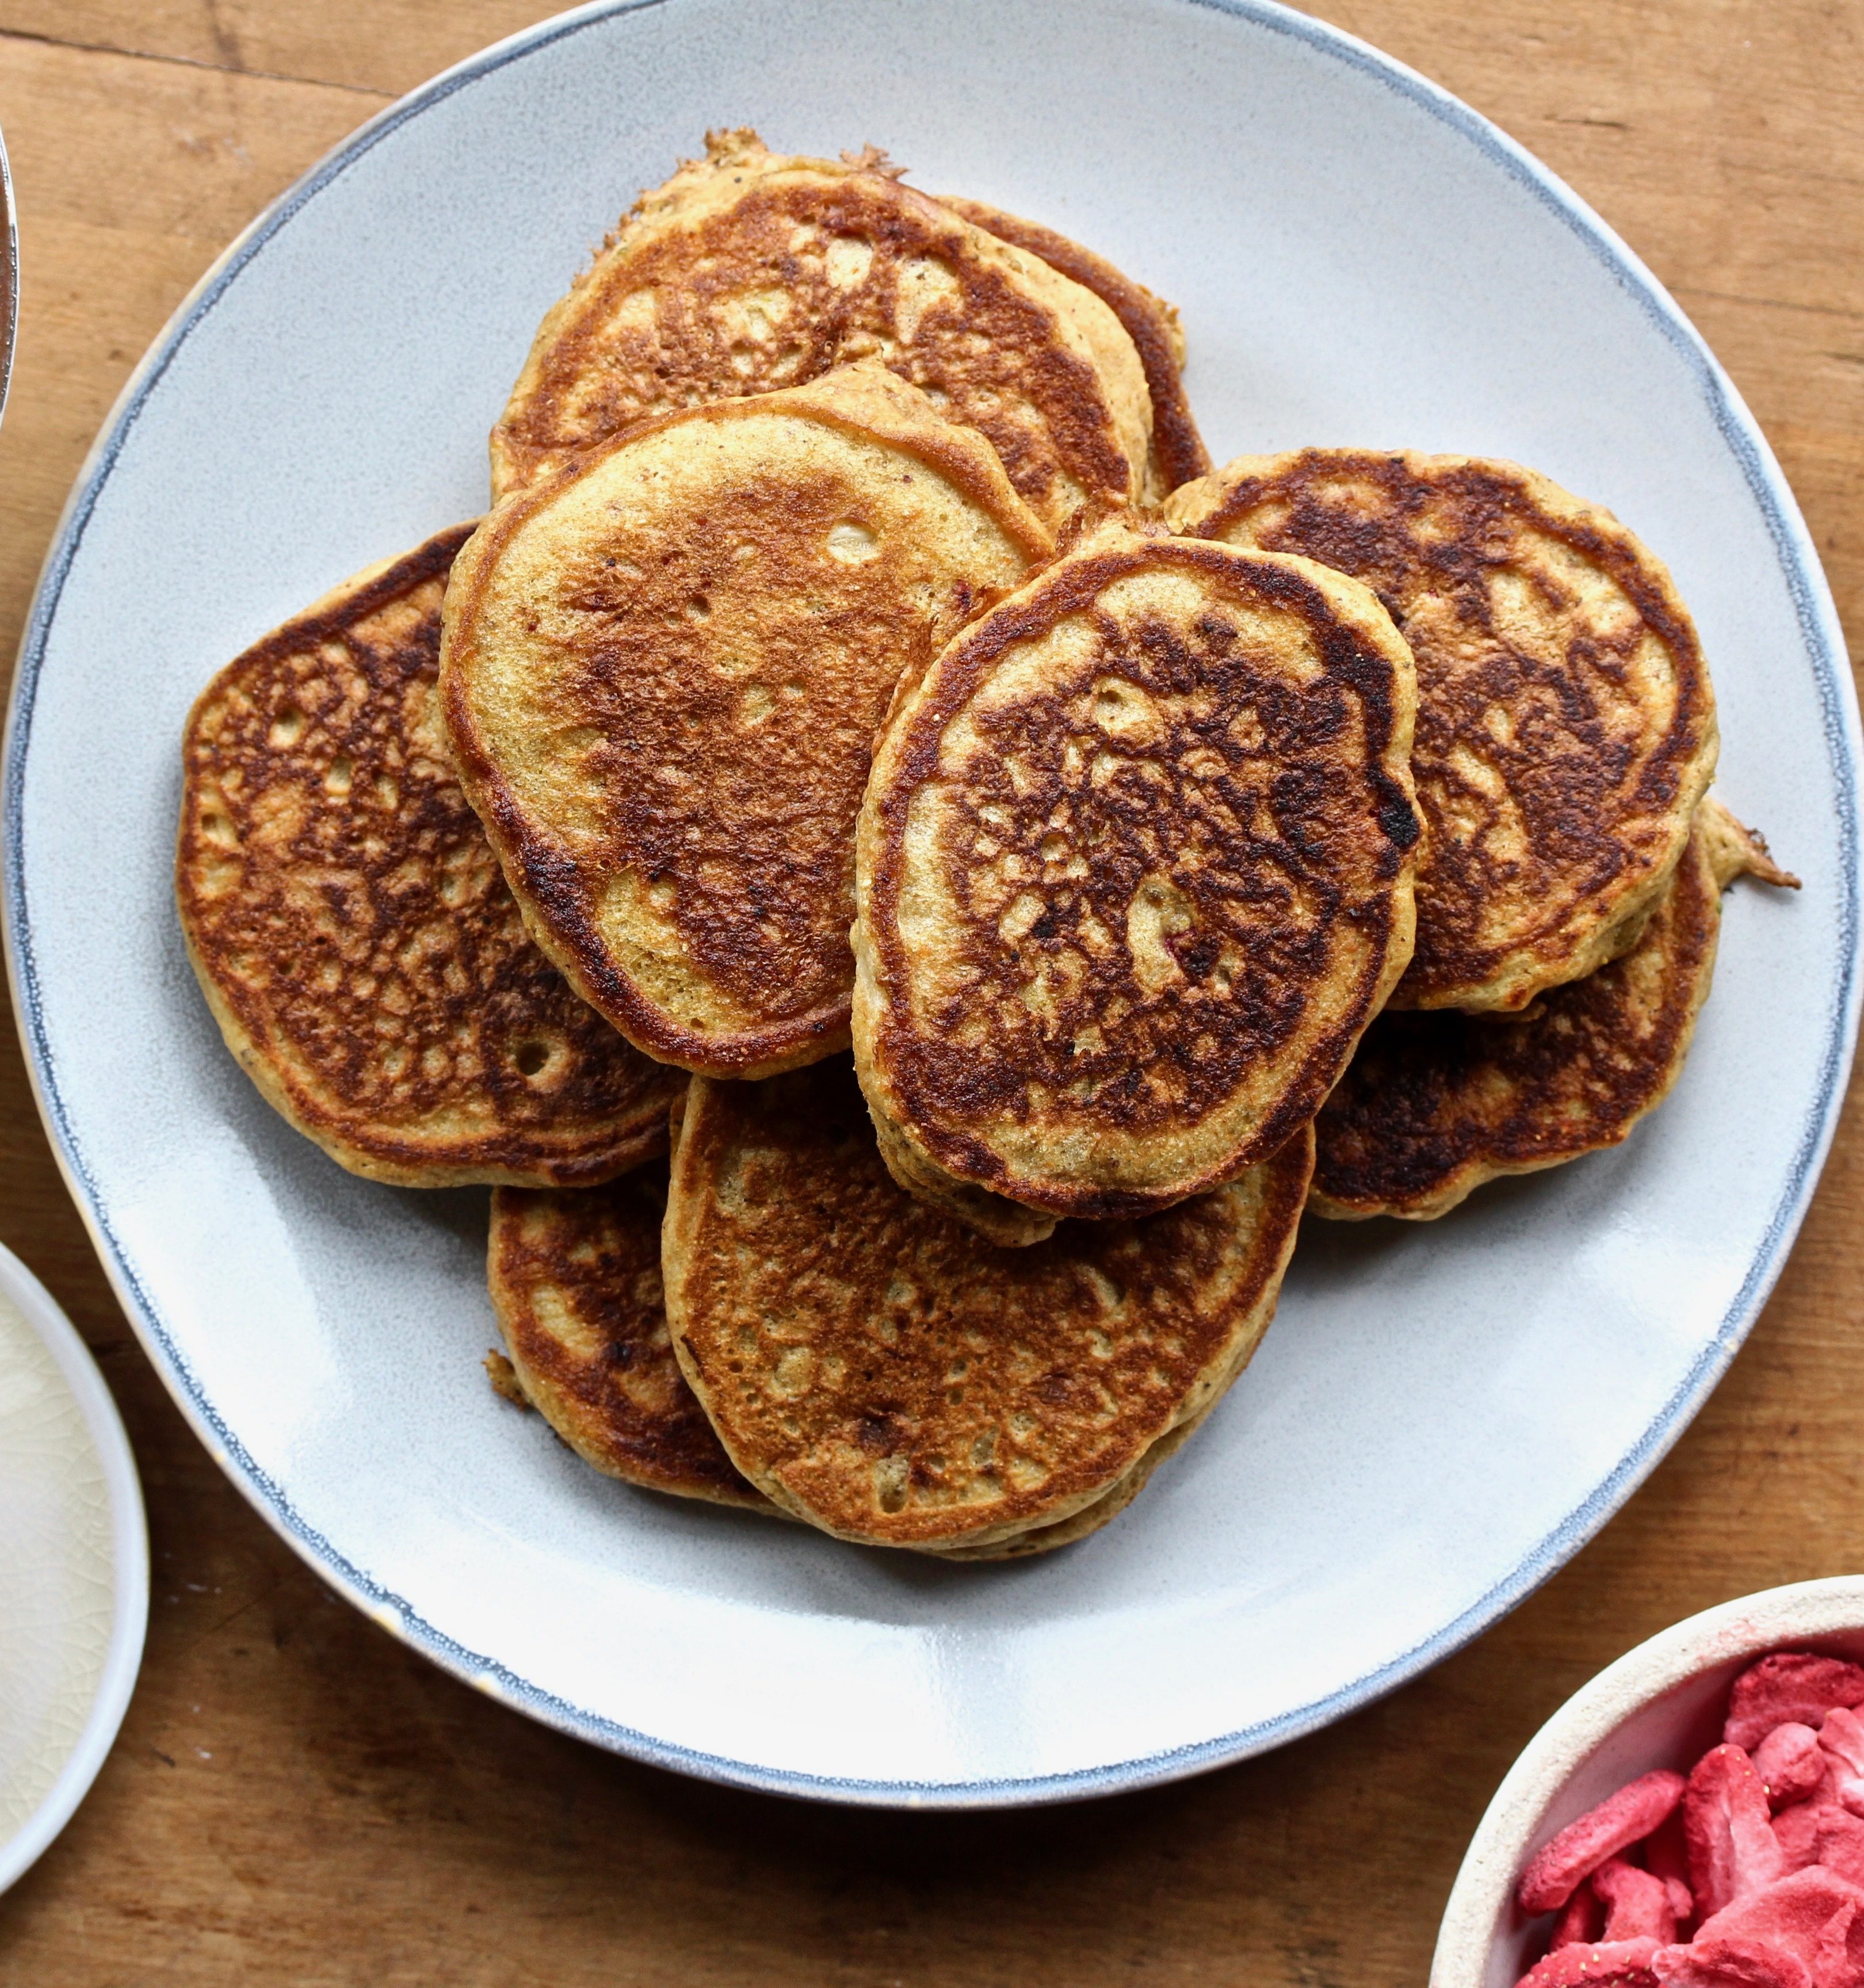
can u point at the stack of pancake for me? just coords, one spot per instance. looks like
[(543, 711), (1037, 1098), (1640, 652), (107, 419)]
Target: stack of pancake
[(860, 655)]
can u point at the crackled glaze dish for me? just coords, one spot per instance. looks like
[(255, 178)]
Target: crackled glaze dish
[(1440, 1416), (74, 1570)]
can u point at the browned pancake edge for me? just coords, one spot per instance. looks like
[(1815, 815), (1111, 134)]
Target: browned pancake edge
[(345, 918), (575, 1281), (749, 272), (742, 825), (1259, 846), (1178, 451), (1091, 1519), (1436, 1103), (882, 1372), (1566, 722)]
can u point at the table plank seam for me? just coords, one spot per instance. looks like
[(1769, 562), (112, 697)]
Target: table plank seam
[(20, 34)]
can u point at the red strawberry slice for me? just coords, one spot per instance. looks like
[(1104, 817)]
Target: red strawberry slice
[(1813, 1915), (1728, 1963), (1623, 1963), (1617, 1822), (1732, 1847), (1581, 1920), (1790, 1762), (1637, 1904), (1790, 1685)]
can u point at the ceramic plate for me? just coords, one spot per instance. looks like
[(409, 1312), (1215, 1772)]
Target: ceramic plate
[(74, 1570), (1440, 1416)]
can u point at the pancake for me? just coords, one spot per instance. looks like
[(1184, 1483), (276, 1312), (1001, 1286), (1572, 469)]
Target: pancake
[(662, 674), (349, 927), (749, 271), (1566, 726), (576, 1282), (879, 1370), (1134, 873), (1435, 1104), (1178, 454), (1090, 1518)]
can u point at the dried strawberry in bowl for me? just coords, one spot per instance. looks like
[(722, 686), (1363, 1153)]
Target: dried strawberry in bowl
[(1693, 1818)]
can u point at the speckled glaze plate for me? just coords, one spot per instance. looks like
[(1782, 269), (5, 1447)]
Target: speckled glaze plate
[(1440, 1416), (74, 1570)]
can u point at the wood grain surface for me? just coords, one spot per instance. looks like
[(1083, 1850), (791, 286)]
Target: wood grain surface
[(297, 1799)]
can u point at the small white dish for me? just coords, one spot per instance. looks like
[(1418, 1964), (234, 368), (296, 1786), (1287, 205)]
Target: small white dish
[(1661, 1704), (74, 1570)]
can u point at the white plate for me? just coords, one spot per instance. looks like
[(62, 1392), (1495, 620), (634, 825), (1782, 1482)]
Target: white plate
[(1440, 1416), (74, 1570)]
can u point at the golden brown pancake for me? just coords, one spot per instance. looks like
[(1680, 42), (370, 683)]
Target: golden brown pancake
[(575, 1280), (662, 674), (1435, 1104), (1135, 872), (1178, 454), (749, 271), (879, 1370), (351, 931), (1090, 1518), (1566, 726)]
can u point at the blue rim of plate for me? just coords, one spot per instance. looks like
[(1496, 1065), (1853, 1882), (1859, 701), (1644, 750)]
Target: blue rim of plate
[(1818, 627)]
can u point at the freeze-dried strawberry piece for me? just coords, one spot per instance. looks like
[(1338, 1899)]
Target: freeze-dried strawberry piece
[(1793, 1685), (1790, 1762), (1637, 1903), (1813, 1915), (1732, 1848), (1617, 1822), (1666, 1856), (1728, 1963), (1840, 1740), (1843, 1735), (1796, 1831), (1820, 1832), (1581, 1920), (1622, 1963), (1838, 1960), (1841, 1845)]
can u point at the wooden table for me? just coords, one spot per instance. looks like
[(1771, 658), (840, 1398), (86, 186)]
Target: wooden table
[(297, 1799)]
